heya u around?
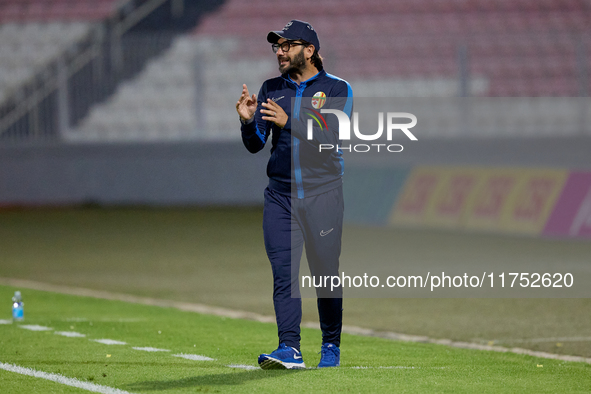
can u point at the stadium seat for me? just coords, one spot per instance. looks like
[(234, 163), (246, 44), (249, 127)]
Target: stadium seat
[(515, 48), (55, 10), (26, 47)]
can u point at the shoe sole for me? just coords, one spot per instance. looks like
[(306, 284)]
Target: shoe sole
[(271, 363)]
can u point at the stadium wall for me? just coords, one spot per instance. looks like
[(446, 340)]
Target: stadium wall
[(529, 187), (121, 174)]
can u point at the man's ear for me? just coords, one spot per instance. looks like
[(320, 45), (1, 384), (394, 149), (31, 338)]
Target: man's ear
[(310, 51)]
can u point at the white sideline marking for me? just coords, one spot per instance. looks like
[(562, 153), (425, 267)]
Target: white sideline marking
[(122, 320), (463, 345), (242, 366), (551, 339), (35, 327), (393, 367), (223, 312), (70, 334), (109, 342), (54, 377), (194, 357), (104, 319), (150, 349), (2, 321)]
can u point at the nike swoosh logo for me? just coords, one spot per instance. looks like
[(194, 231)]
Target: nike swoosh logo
[(275, 99), (297, 357), (324, 233)]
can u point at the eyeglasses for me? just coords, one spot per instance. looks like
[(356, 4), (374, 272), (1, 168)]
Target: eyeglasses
[(286, 45)]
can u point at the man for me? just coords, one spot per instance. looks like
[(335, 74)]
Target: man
[(304, 199)]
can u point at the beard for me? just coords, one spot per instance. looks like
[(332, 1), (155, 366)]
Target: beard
[(295, 65)]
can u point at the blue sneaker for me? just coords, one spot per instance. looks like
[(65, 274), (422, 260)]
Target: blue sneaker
[(284, 357), (330, 356)]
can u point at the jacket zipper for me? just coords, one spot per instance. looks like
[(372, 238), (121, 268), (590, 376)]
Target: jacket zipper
[(296, 144)]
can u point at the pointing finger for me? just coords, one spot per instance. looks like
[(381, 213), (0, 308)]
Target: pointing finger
[(245, 92)]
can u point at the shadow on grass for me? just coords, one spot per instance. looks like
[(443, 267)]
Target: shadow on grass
[(220, 379)]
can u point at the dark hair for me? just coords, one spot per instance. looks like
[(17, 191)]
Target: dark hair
[(316, 59)]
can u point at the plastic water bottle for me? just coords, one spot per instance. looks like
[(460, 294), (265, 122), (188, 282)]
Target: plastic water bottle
[(18, 312)]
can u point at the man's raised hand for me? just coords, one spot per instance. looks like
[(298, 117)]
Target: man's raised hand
[(246, 105)]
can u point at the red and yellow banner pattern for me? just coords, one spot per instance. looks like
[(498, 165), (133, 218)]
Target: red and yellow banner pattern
[(494, 199)]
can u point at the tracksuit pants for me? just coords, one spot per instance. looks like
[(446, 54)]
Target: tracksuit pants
[(288, 225)]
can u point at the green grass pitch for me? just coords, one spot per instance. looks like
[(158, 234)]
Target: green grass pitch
[(216, 257), (368, 364)]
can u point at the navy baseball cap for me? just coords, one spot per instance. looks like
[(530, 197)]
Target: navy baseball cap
[(296, 30)]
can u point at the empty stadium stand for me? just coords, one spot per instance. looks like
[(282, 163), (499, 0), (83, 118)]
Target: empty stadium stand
[(385, 48), (522, 47), (60, 57), (25, 48), (56, 10), (183, 95), (37, 38)]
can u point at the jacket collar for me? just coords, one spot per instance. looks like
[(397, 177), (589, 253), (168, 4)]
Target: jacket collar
[(307, 81)]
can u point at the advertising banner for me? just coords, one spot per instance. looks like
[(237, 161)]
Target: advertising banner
[(571, 216)]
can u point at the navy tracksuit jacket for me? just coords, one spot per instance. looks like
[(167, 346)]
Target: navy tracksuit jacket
[(304, 199)]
